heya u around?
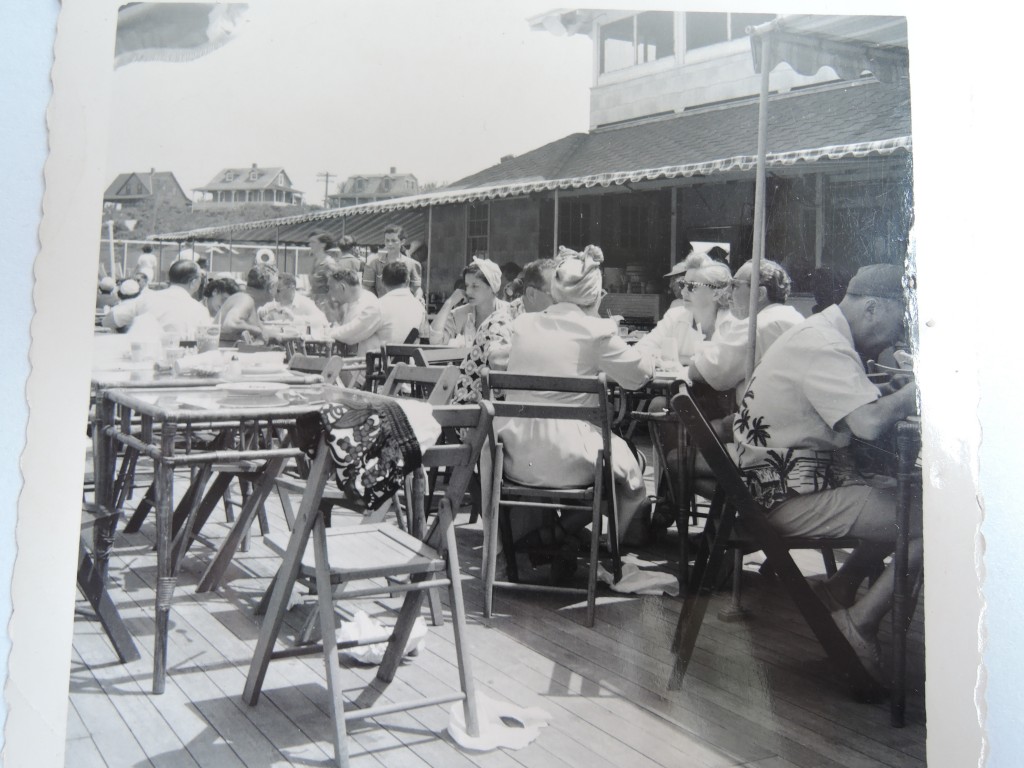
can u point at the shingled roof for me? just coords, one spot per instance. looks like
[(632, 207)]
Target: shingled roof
[(832, 122), (239, 178), (851, 113)]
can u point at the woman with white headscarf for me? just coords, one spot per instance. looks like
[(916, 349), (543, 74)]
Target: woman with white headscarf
[(457, 325), (570, 339)]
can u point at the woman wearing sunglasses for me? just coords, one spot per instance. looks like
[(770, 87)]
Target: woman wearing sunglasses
[(704, 294)]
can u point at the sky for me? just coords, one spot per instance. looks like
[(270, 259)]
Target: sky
[(437, 89)]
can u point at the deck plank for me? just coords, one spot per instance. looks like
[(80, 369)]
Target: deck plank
[(758, 693)]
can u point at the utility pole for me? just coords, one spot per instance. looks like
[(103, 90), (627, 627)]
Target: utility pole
[(326, 176)]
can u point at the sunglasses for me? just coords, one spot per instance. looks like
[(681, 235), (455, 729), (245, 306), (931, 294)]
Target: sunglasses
[(691, 287)]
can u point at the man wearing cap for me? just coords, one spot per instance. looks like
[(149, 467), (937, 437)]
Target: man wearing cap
[(107, 294), (807, 400)]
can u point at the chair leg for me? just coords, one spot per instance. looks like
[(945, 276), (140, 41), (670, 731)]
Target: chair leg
[(829, 558), (491, 532), (700, 588), (325, 612), (735, 610)]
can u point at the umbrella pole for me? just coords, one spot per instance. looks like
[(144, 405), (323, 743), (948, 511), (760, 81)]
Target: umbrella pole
[(759, 204), (430, 247)]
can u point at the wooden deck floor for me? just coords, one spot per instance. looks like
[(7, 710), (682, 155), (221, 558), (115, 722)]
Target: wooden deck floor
[(758, 692)]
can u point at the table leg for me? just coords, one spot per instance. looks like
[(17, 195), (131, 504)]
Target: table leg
[(215, 570), (165, 578), (908, 443)]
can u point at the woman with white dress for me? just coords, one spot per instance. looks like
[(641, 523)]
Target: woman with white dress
[(570, 339)]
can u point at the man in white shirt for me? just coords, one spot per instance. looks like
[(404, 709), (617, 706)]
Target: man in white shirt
[(361, 317), (291, 306), (173, 308), (401, 312)]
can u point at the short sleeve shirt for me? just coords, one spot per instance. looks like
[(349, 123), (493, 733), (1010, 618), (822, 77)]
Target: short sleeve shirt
[(788, 436)]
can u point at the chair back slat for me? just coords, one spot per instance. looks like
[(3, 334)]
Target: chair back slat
[(529, 382), (440, 381), (439, 356)]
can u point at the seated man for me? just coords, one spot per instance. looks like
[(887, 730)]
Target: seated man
[(807, 400), (360, 322), (401, 312), (173, 308), (291, 307), (240, 313), (721, 362)]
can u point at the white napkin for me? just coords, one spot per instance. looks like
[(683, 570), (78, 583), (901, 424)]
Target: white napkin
[(494, 730), (637, 581), (362, 626)]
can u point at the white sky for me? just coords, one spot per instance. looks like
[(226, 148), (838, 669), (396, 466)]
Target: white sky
[(437, 88)]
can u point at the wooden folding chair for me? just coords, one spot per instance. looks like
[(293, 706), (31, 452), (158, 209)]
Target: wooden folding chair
[(506, 494), (433, 385), (733, 503), (362, 552)]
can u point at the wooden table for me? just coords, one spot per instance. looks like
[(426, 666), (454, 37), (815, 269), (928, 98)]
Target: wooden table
[(164, 412)]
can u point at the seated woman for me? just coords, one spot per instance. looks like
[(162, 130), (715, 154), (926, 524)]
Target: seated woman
[(704, 292), (217, 291), (457, 325), (569, 339)]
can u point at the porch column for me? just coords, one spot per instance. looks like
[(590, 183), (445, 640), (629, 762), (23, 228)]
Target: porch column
[(554, 237), (674, 229), (430, 249)]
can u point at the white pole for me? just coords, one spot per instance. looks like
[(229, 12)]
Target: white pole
[(110, 244), (430, 248), (554, 247), (759, 203)]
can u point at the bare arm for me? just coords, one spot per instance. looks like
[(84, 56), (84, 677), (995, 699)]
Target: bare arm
[(870, 421), (442, 329)]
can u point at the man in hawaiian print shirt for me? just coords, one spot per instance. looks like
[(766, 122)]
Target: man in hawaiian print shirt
[(807, 399)]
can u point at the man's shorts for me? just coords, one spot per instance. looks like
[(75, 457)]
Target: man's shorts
[(837, 512)]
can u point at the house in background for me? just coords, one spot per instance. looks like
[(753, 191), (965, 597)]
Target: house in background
[(375, 188), (671, 154), (234, 187), (146, 190)]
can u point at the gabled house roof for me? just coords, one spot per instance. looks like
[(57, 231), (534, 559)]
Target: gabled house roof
[(135, 185), (253, 177)]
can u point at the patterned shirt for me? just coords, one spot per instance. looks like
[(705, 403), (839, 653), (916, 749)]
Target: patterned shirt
[(789, 436), (491, 346)]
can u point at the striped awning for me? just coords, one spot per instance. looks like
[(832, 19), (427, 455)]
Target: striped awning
[(366, 222)]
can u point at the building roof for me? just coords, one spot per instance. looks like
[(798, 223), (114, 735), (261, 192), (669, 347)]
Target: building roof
[(820, 116), (163, 182), (375, 185), (832, 122), (240, 179)]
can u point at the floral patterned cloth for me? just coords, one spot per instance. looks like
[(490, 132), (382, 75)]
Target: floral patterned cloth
[(491, 344), (373, 448)]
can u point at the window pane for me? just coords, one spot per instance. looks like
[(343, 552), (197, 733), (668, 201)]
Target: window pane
[(654, 38), (739, 22), (705, 29), (617, 45)]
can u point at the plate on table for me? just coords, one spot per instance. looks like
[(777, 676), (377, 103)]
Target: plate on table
[(252, 390), (262, 369)]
